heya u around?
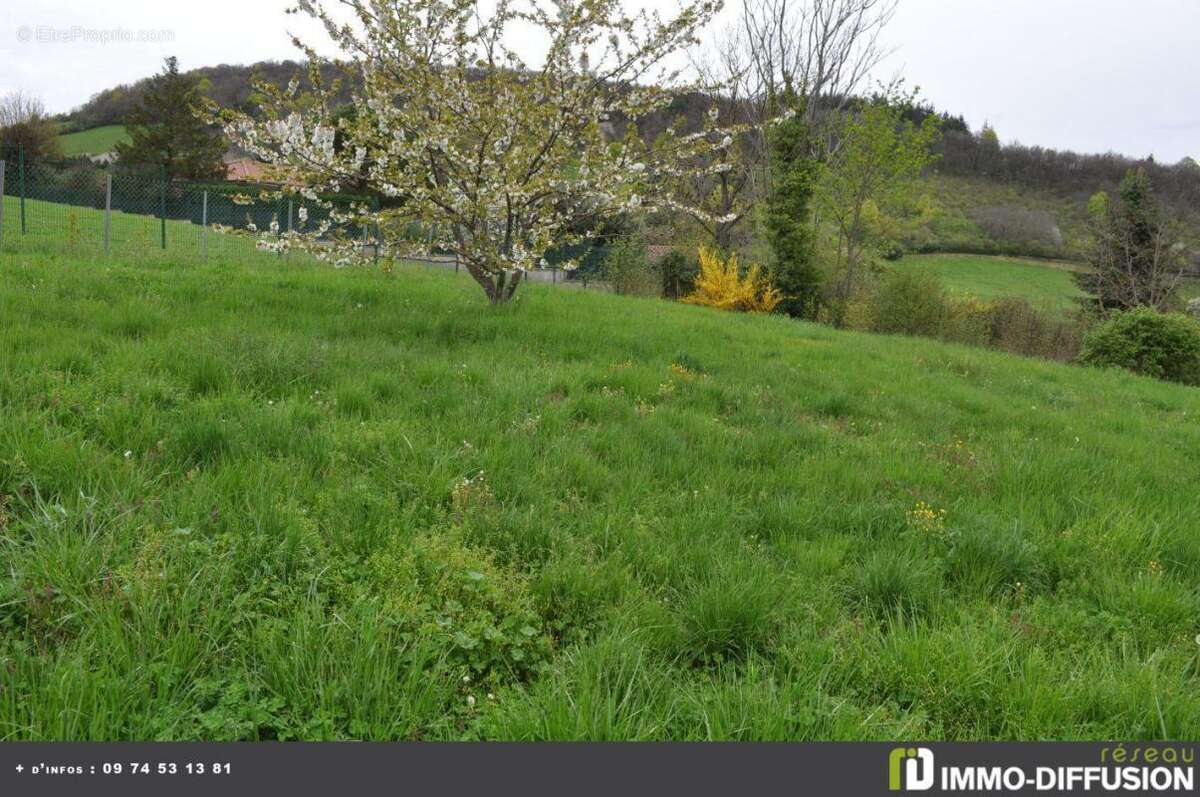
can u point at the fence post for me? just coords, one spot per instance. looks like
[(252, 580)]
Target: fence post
[(289, 227), (375, 207), (3, 169), (162, 204), (204, 226), (107, 212), (21, 180)]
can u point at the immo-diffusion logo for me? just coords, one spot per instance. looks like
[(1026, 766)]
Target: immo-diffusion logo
[(1150, 769), (910, 769)]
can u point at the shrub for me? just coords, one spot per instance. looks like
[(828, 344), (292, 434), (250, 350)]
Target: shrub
[(913, 302), (891, 250), (629, 270), (910, 301), (1016, 326), (1164, 346), (483, 615), (968, 320), (722, 285), (678, 273)]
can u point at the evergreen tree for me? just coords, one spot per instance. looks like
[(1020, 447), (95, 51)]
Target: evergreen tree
[(788, 220), (1135, 258), (167, 129)]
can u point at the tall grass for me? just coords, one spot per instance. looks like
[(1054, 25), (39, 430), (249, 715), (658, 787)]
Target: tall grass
[(222, 485)]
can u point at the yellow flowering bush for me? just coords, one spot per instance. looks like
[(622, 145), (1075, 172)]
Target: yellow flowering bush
[(722, 285)]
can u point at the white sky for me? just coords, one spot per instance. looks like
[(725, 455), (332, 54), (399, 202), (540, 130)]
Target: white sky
[(1089, 75)]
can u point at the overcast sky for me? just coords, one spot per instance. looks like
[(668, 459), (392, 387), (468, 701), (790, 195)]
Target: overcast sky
[(1089, 75)]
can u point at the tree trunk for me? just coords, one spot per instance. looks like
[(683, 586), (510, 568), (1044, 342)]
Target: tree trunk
[(498, 285)]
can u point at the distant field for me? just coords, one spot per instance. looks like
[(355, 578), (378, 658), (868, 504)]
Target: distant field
[(1043, 282), (94, 141)]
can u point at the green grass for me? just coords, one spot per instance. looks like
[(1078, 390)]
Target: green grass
[(77, 231), (1045, 283), (278, 502), (95, 141), (1190, 289)]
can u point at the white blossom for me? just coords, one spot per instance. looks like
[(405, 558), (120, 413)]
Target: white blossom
[(492, 161)]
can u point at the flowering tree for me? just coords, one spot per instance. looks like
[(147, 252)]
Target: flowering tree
[(497, 160), (714, 186)]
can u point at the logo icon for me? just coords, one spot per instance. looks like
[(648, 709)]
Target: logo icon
[(910, 769)]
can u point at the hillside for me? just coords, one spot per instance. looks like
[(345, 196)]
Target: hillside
[(273, 502), (94, 141), (1047, 284), (990, 198)]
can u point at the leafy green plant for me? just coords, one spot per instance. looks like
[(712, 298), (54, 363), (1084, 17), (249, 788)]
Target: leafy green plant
[(788, 217), (678, 273), (629, 271), (435, 586), (910, 302), (1161, 345)]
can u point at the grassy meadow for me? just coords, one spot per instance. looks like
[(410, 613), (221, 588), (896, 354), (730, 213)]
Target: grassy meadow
[(78, 231), (1047, 284), (95, 141), (265, 501)]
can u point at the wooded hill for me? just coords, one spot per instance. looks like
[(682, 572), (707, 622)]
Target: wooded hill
[(990, 197)]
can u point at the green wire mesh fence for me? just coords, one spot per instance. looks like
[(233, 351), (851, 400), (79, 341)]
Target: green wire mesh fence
[(81, 207), (130, 211)]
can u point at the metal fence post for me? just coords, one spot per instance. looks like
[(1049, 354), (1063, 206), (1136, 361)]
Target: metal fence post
[(162, 204), (107, 213), (3, 169), (375, 207), (21, 180), (204, 225), (289, 225)]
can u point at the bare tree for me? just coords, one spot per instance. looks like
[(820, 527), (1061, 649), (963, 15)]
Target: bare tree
[(812, 55), (17, 107), (24, 124), (814, 49)]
